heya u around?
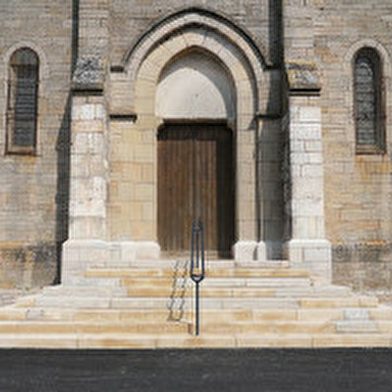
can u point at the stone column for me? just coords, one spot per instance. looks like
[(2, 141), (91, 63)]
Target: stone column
[(307, 247), (246, 248)]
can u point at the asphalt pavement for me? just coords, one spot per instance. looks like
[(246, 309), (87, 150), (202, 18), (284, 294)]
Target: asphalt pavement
[(204, 370)]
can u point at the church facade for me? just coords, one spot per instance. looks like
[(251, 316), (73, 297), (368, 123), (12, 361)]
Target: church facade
[(123, 121)]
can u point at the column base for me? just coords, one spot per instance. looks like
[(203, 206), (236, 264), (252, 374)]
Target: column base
[(245, 251), (314, 255)]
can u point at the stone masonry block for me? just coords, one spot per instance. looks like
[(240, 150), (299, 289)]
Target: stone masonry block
[(175, 45), (261, 251), (88, 143), (297, 146), (312, 171), (145, 249), (313, 254), (313, 146), (89, 252), (309, 114), (306, 158), (193, 38), (86, 227), (245, 251), (305, 132), (83, 112), (305, 188), (308, 227), (317, 254), (88, 126)]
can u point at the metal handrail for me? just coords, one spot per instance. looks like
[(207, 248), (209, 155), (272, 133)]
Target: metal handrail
[(197, 271)]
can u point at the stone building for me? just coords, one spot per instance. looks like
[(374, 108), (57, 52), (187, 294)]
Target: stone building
[(122, 121)]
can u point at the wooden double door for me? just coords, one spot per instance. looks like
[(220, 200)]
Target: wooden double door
[(196, 182)]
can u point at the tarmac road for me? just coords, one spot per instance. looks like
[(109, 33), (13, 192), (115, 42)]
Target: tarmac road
[(196, 370)]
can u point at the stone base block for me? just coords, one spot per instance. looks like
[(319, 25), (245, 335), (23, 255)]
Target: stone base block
[(246, 251), (146, 250), (314, 255), (273, 250), (261, 251), (121, 252), (81, 254), (78, 255)]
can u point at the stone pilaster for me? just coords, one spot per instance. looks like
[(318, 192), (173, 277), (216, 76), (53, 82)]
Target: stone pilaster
[(307, 247), (87, 244), (89, 177)]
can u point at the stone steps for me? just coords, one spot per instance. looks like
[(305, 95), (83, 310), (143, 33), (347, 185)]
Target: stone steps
[(148, 341), (162, 315), (139, 307), (184, 263), (207, 316), (207, 326), (210, 273), (184, 302), (236, 292), (216, 282), (33, 327), (216, 292)]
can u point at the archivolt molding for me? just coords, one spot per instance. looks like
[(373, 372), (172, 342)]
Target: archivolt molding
[(194, 30), (194, 18)]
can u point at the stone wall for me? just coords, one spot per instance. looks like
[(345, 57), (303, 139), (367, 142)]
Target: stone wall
[(130, 19), (357, 187), (133, 87), (363, 266), (34, 189)]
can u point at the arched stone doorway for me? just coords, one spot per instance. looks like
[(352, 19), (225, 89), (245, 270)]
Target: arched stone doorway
[(196, 99), (193, 70)]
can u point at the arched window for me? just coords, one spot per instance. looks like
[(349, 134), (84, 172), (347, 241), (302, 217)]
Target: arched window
[(22, 102), (369, 117)]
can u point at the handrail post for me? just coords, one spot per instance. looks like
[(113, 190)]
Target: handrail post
[(197, 271)]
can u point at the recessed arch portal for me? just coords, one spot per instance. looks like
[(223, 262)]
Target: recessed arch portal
[(201, 50), (195, 155)]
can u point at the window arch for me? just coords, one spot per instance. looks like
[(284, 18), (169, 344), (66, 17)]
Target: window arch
[(368, 102), (22, 105)]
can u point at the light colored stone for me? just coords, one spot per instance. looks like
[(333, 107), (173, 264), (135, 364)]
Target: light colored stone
[(245, 250)]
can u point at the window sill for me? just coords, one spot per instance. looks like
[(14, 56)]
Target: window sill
[(370, 150)]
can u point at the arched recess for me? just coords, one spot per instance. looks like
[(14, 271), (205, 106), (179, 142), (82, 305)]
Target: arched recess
[(43, 77), (187, 35), (386, 69), (196, 170), (195, 85)]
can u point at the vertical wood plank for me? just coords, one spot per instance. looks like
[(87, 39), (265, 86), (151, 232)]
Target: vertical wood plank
[(195, 181)]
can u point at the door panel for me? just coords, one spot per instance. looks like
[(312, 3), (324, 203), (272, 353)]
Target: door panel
[(195, 181)]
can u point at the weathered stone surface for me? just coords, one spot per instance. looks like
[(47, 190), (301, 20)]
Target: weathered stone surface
[(299, 174), (34, 189), (89, 73), (303, 77)]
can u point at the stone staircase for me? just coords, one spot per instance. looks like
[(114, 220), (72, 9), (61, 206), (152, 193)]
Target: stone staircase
[(150, 304)]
